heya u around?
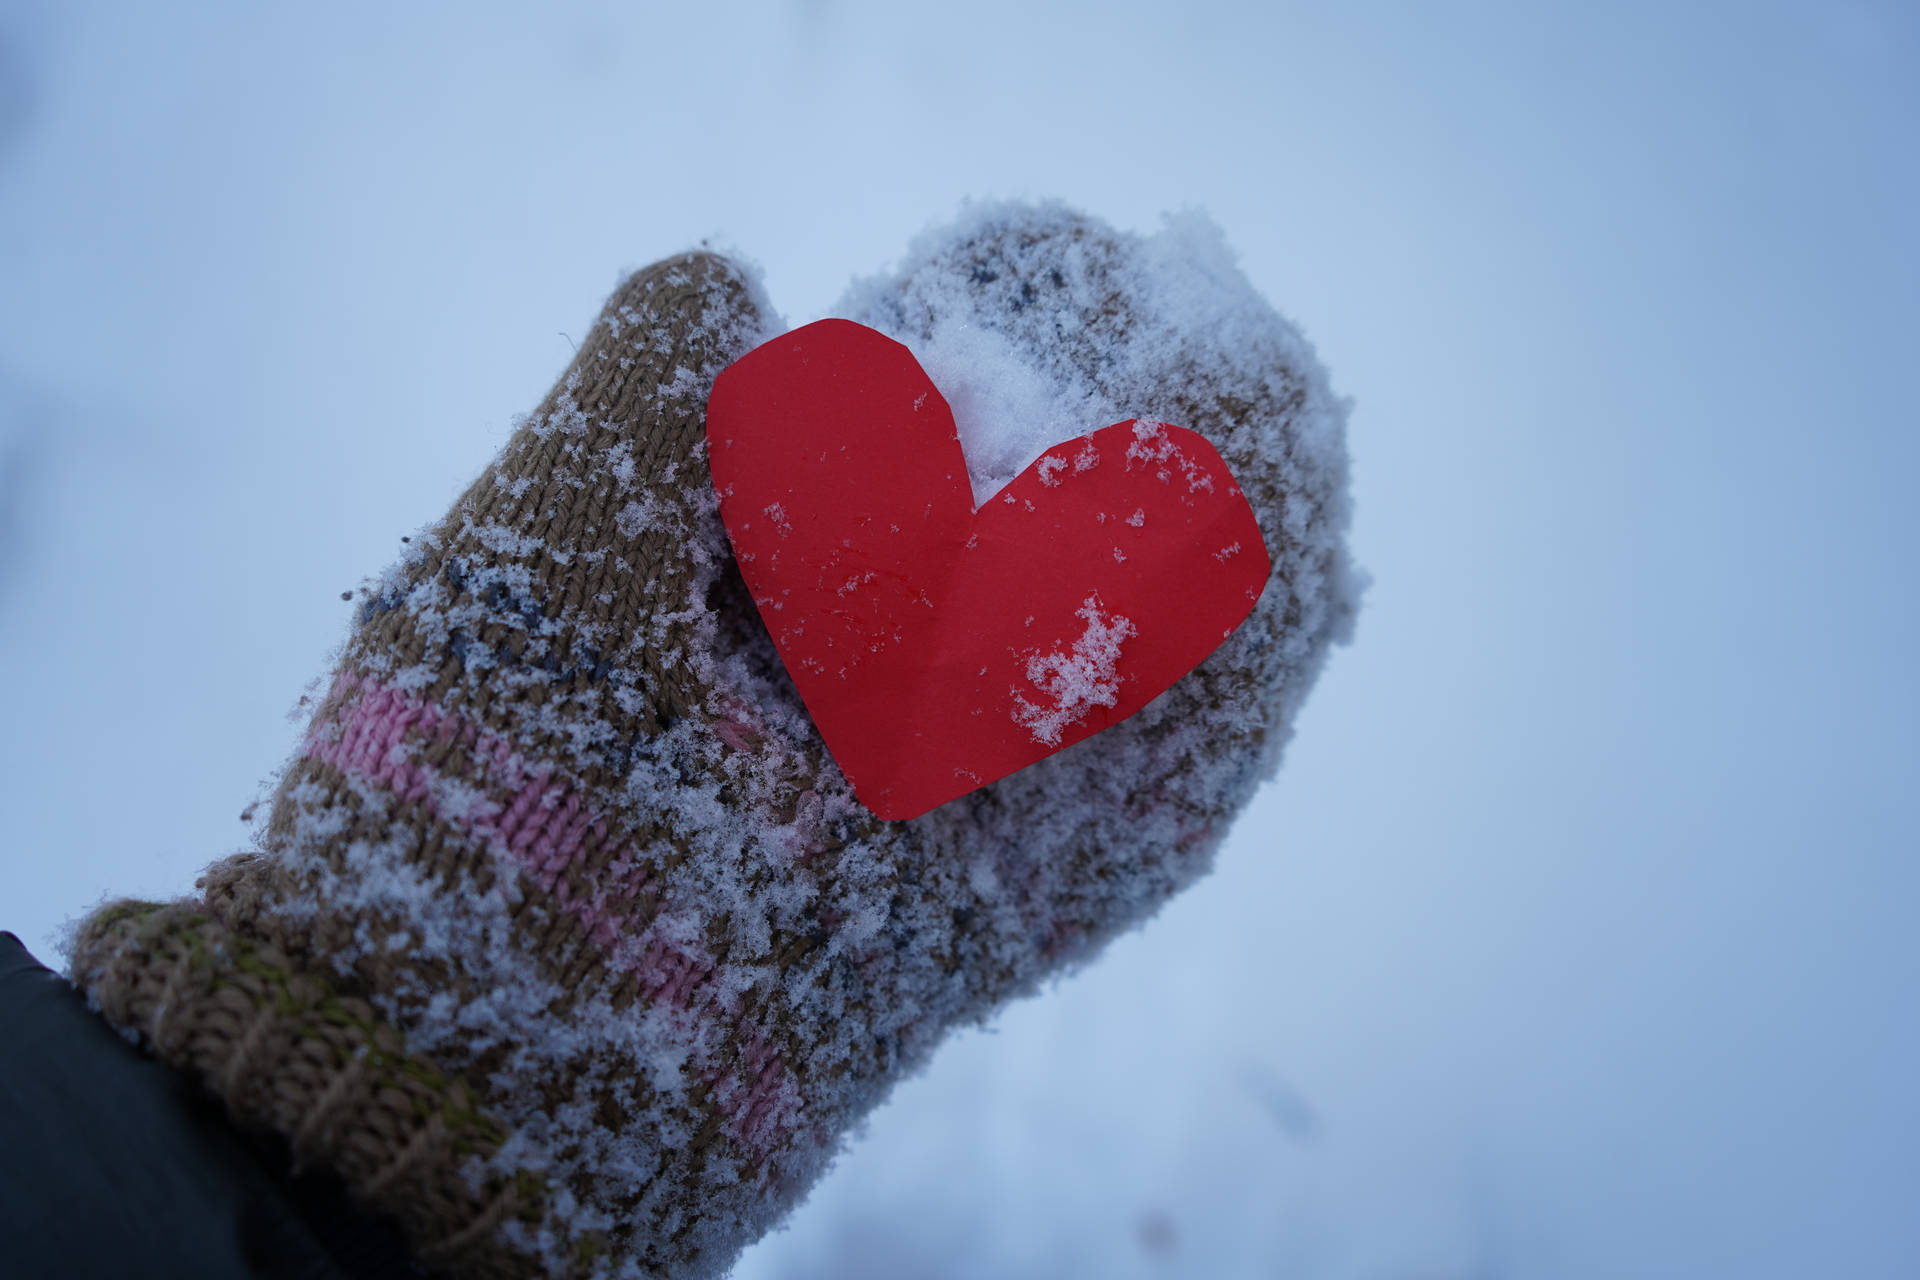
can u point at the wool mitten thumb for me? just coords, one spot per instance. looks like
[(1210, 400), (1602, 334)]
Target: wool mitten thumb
[(427, 977)]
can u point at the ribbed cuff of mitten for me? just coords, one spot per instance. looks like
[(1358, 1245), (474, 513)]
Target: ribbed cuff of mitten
[(290, 1055)]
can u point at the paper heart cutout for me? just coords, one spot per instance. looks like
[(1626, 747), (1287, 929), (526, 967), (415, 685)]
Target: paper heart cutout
[(939, 648)]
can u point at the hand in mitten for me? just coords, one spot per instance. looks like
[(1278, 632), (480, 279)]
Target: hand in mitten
[(567, 944)]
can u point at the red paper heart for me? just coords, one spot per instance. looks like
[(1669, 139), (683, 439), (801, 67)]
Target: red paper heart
[(940, 648)]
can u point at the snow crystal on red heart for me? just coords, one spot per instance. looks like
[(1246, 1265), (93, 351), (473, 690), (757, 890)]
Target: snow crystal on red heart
[(1077, 681)]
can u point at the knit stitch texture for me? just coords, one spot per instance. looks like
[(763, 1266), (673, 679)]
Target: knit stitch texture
[(566, 943)]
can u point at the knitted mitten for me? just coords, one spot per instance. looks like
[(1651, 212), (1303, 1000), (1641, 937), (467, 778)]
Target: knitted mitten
[(567, 945)]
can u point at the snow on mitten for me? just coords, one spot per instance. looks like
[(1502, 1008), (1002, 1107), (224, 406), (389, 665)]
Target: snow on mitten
[(568, 946)]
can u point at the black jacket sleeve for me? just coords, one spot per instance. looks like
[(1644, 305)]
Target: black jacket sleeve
[(113, 1166)]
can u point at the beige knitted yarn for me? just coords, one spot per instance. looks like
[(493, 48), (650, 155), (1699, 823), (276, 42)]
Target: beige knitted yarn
[(567, 943)]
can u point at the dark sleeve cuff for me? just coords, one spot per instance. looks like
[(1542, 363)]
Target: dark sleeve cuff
[(112, 1164)]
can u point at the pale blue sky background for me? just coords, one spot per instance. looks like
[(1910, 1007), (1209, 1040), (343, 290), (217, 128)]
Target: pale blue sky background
[(1578, 936)]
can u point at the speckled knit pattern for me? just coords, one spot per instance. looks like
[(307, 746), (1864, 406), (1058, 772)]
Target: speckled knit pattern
[(561, 834)]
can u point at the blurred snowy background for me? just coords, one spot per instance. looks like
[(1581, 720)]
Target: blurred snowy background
[(1578, 936)]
